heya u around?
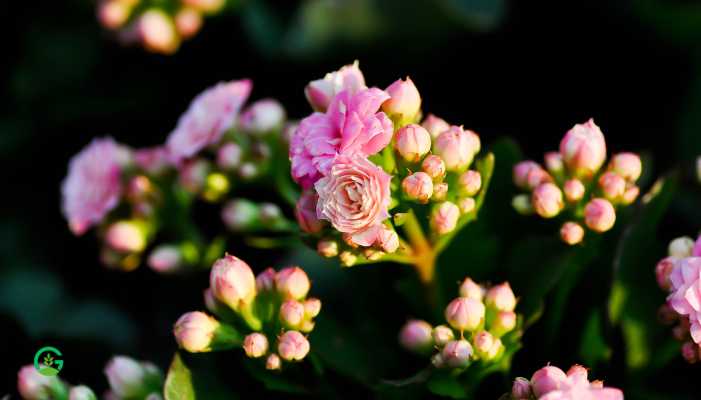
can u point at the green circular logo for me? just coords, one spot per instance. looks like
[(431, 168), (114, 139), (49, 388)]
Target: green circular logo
[(48, 361)]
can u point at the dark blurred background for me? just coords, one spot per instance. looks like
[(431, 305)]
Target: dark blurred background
[(528, 70)]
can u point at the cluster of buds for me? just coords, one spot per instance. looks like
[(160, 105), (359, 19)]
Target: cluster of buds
[(367, 162), (272, 308), (127, 378), (131, 195), (481, 324), (159, 28), (679, 274), (573, 183), (552, 383)]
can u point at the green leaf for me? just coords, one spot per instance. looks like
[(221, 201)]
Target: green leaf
[(178, 384), (272, 380), (443, 383), (593, 347)]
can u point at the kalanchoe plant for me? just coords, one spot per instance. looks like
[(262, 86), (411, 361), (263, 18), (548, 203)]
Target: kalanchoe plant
[(268, 315), (137, 198), (379, 183), (573, 185), (551, 383)]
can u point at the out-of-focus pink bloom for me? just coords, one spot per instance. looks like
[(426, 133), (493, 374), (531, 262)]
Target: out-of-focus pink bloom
[(209, 115), (547, 379), (157, 31), (255, 345), (483, 342), (404, 100), (630, 194), (192, 174), (321, 92), (273, 363), (521, 389), (165, 259), (291, 313), (529, 174), (354, 198), (81, 392), (466, 205), (292, 346), (93, 185), (434, 125), (305, 211), (599, 215), (444, 218), (504, 322), (686, 293), (469, 183), (547, 200), (696, 250), (312, 307), (32, 385), (232, 281), (206, 6), (627, 165), (583, 149), (681, 247), (416, 335), (442, 335), (456, 147), (327, 248), (188, 22), (418, 186), (440, 191), (153, 160), (612, 185), (574, 190), (471, 290), (194, 331), (465, 314), (229, 156), (388, 239), (690, 352), (553, 162), (434, 167), (125, 376), (571, 233), (500, 297), (126, 236), (663, 270), (412, 142), (457, 353), (112, 14), (265, 281), (292, 283), (263, 116)]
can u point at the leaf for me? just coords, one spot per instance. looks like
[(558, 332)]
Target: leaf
[(476, 14), (443, 383), (272, 380), (178, 385), (593, 347)]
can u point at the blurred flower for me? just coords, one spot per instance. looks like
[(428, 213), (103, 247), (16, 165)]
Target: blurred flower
[(158, 32), (292, 283), (571, 233), (130, 378), (442, 335), (445, 217), (32, 385), (81, 393), (547, 200), (457, 353), (500, 297), (262, 117), (127, 236), (599, 215), (469, 183), (273, 362), (293, 346), (188, 22), (416, 335), (255, 345), (681, 247), (685, 296), (194, 331)]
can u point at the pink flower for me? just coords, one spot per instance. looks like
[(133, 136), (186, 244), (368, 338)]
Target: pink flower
[(305, 212), (354, 197), (352, 126), (321, 92), (209, 115), (93, 185), (686, 293), (583, 149), (153, 160)]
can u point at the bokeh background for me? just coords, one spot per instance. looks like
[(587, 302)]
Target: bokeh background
[(527, 70)]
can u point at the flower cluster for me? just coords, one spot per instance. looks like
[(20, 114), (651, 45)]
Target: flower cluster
[(159, 28), (273, 307), (482, 325), (134, 194), (128, 379), (572, 183), (679, 274), (367, 166), (551, 383)]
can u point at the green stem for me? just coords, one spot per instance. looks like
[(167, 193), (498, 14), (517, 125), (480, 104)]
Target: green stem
[(424, 254)]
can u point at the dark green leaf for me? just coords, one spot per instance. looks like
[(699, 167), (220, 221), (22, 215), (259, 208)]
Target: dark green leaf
[(178, 384)]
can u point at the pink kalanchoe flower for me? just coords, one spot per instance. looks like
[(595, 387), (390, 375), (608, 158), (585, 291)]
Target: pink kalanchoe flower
[(469, 183), (404, 99), (388, 239), (434, 167), (444, 217), (583, 149), (553, 162), (354, 198), (696, 250), (93, 185), (412, 142), (465, 314), (255, 345), (547, 200), (612, 185), (291, 313), (599, 215), (194, 331), (321, 92), (529, 174), (457, 353), (574, 190), (293, 346), (627, 165), (262, 117), (456, 147), (209, 115), (33, 385), (188, 22), (416, 335), (418, 186), (157, 31), (153, 160), (232, 281), (434, 125), (305, 212), (571, 233), (686, 293), (663, 270), (292, 283), (547, 379)]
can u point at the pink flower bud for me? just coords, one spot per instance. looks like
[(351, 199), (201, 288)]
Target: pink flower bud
[(442, 335), (248, 171), (681, 247), (627, 165), (434, 125), (292, 346), (81, 392), (240, 214), (574, 190), (193, 175), (521, 389), (255, 345), (412, 142), (553, 162), (546, 380), (416, 336), (612, 185), (504, 322), (211, 302), (663, 270), (483, 342), (126, 236), (599, 215), (327, 248), (232, 281), (206, 6), (32, 385), (440, 191), (583, 149), (229, 156), (571, 233), (165, 259), (291, 313), (681, 331), (465, 314), (469, 183), (153, 160), (457, 353), (292, 283), (578, 374), (347, 258), (418, 186), (547, 200), (273, 363), (194, 331), (188, 22), (157, 31), (666, 314), (456, 147), (320, 92), (312, 307), (305, 211), (690, 352), (112, 14), (471, 290), (466, 205), (501, 297), (262, 117), (404, 101), (434, 167), (125, 376), (265, 281), (388, 239), (445, 217), (630, 194), (522, 204), (529, 174)]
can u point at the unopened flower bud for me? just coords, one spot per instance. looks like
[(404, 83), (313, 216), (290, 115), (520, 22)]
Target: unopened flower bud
[(546, 380), (404, 102), (583, 149), (388, 240), (255, 345), (312, 307), (240, 214), (681, 331), (165, 259), (471, 290), (445, 217), (193, 175), (578, 373), (440, 191), (599, 215), (522, 204), (291, 313), (469, 183), (434, 125), (571, 233), (529, 174), (434, 167), (194, 331), (466, 205), (416, 336), (128, 236), (273, 362), (681, 247), (32, 385), (483, 342), (500, 297), (547, 200), (292, 283), (442, 335), (373, 254), (229, 156), (126, 376), (465, 314), (457, 353), (663, 270), (139, 188), (412, 142), (292, 346), (553, 162), (627, 165), (347, 258), (212, 303), (265, 281), (630, 194), (475, 140), (81, 392), (232, 281), (262, 117), (305, 211), (504, 322), (456, 147), (690, 352), (612, 185), (418, 186), (666, 314), (327, 248), (188, 22), (574, 190), (269, 213), (206, 6), (521, 389), (158, 32), (248, 171)]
